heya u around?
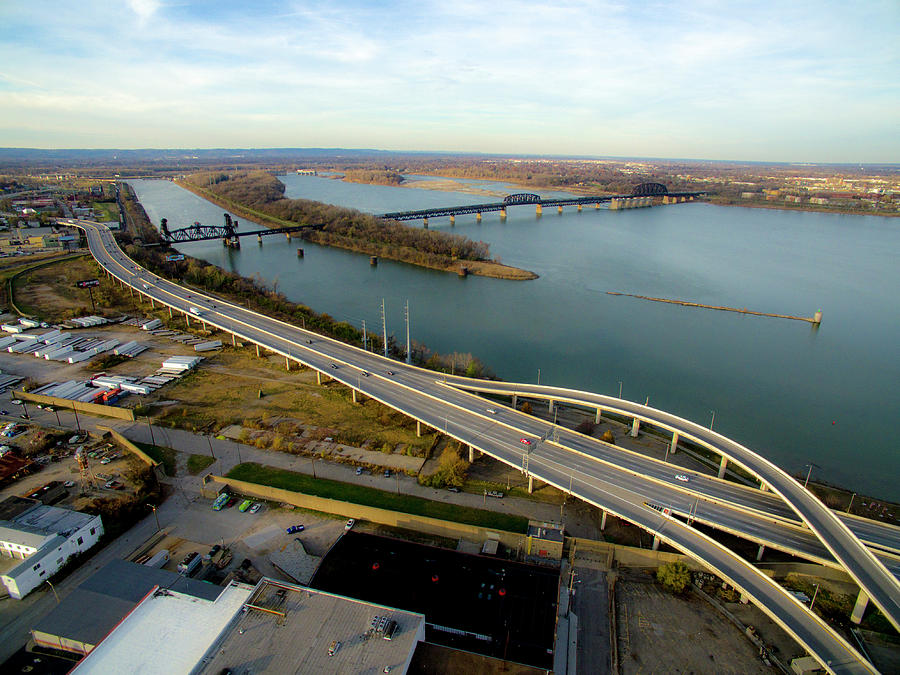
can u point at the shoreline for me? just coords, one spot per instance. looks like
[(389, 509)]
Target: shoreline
[(483, 268)]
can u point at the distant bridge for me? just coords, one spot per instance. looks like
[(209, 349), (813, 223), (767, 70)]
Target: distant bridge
[(642, 195), (227, 233)]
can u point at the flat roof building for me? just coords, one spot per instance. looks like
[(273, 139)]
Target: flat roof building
[(37, 540), (111, 593)]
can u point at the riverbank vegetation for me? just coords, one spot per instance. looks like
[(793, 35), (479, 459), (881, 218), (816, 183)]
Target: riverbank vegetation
[(259, 196)]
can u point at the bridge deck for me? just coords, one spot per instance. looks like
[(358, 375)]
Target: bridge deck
[(499, 206)]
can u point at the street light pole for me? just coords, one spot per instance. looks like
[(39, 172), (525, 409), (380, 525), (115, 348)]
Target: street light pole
[(158, 528), (814, 598), (539, 377), (713, 420), (810, 465), (47, 581), (620, 388), (209, 442), (852, 497)]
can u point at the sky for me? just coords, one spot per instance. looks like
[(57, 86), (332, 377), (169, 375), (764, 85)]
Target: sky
[(763, 81)]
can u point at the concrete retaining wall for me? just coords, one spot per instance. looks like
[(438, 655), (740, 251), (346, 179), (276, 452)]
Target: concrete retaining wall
[(78, 406), (131, 447), (629, 556), (434, 526)]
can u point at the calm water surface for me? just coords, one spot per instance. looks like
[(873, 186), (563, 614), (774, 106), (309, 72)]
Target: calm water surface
[(829, 396)]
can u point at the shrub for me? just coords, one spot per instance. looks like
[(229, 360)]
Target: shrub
[(674, 576)]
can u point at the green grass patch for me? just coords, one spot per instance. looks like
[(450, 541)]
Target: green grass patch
[(165, 456), (196, 463), (366, 496)]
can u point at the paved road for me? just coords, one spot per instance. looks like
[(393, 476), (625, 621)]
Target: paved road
[(417, 393)]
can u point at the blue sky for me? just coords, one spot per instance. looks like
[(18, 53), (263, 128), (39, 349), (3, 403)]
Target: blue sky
[(796, 81)]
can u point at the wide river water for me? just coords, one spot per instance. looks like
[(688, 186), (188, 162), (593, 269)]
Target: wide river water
[(795, 393)]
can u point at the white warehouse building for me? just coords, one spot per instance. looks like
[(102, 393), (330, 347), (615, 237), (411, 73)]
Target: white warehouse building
[(37, 540)]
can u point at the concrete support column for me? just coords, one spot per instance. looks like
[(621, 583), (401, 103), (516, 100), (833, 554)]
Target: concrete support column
[(353, 392), (674, 443), (655, 543), (233, 343), (287, 363), (471, 454), (257, 351), (859, 609), (318, 377), (559, 209), (502, 214), (452, 219), (170, 312), (425, 223), (722, 467), (477, 217), (530, 484), (204, 325), (597, 416), (763, 487), (130, 291), (635, 427), (603, 521), (550, 405), (152, 304), (418, 428), (187, 320), (515, 402), (760, 552), (579, 208), (538, 210)]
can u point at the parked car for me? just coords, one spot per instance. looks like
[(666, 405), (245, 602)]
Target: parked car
[(231, 502), (387, 473), (333, 647), (350, 524), (256, 507), (495, 494), (294, 529), (244, 505), (359, 471)]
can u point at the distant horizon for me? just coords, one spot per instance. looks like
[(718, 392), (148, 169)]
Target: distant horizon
[(437, 153), (806, 82)]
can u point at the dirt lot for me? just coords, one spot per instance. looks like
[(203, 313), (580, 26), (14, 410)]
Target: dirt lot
[(662, 633)]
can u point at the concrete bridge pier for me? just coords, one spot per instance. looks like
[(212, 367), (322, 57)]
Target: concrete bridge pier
[(674, 442), (550, 405), (603, 521), (763, 487), (559, 209), (502, 214), (530, 484), (538, 210), (452, 219), (418, 429), (655, 546), (257, 353), (287, 365), (353, 395), (859, 609), (515, 402), (318, 374), (187, 320), (425, 223), (722, 467), (635, 427), (597, 416), (579, 208), (477, 217), (760, 552), (233, 342), (471, 454), (597, 205)]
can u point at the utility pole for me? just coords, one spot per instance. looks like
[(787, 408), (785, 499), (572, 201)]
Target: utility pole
[(384, 328), (365, 344), (408, 351)]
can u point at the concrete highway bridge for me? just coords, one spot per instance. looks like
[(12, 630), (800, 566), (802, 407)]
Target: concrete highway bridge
[(781, 513), (643, 195)]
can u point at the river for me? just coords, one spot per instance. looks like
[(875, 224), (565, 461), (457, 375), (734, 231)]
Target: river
[(795, 393)]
